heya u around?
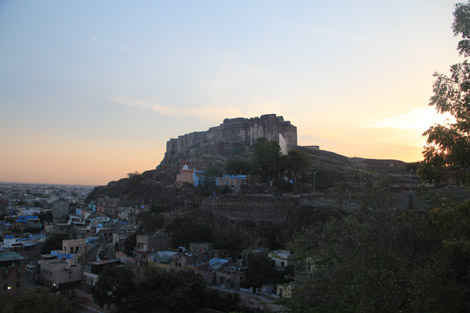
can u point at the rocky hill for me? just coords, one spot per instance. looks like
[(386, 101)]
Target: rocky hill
[(258, 212), (233, 136)]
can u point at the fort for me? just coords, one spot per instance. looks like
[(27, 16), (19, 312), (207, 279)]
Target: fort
[(233, 135)]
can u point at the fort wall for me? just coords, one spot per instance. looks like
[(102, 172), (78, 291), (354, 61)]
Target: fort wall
[(233, 134)]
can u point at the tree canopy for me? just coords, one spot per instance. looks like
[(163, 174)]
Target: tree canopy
[(184, 232), (176, 292), (448, 145), (378, 260), (267, 158), (38, 300), (54, 243), (115, 286), (262, 270)]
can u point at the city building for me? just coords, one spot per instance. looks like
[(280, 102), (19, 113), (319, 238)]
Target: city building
[(12, 273)]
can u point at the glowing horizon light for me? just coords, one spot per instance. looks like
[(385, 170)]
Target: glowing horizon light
[(418, 119)]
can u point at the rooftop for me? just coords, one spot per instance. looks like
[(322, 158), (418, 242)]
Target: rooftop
[(10, 256)]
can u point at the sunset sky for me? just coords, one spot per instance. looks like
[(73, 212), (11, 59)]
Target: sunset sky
[(92, 90)]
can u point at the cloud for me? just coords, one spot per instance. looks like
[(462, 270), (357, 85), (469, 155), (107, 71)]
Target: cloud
[(418, 119), (103, 43), (99, 42), (207, 112)]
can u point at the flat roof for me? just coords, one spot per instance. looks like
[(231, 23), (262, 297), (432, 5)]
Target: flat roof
[(10, 256), (103, 262)]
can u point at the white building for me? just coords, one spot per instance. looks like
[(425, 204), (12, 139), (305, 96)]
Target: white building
[(282, 258)]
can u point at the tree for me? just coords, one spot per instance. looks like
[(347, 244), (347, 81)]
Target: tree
[(267, 159), (45, 216), (378, 260), (185, 231), (115, 286), (130, 243), (54, 243), (210, 175), (297, 163), (176, 292), (261, 271), (239, 166), (150, 221), (38, 300), (448, 145), (134, 179)]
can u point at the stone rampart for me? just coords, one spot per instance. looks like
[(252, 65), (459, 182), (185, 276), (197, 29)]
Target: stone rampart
[(255, 208), (235, 133)]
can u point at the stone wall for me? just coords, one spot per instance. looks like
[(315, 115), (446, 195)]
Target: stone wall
[(234, 134), (259, 208)]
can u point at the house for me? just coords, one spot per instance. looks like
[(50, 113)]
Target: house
[(58, 273), (28, 246), (190, 176), (60, 208), (161, 259), (23, 222), (127, 214), (29, 211), (200, 247), (184, 262), (284, 290), (147, 244), (107, 205), (119, 237), (222, 272), (105, 232), (12, 273), (218, 253), (74, 246), (61, 269), (282, 258), (235, 181), (92, 270)]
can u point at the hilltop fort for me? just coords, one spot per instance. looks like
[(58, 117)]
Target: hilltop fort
[(234, 135)]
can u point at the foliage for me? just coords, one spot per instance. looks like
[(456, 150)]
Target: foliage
[(267, 159), (177, 292), (210, 174), (231, 244), (261, 271), (452, 223), (130, 243), (132, 175), (38, 300), (115, 286), (54, 243), (297, 163), (134, 179), (185, 231), (448, 146), (150, 222), (214, 171), (45, 216), (376, 260), (159, 208), (239, 166), (429, 173)]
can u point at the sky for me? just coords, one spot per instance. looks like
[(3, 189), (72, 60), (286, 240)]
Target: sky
[(92, 90)]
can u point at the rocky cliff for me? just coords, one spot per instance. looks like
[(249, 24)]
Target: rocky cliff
[(234, 135), (258, 213)]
